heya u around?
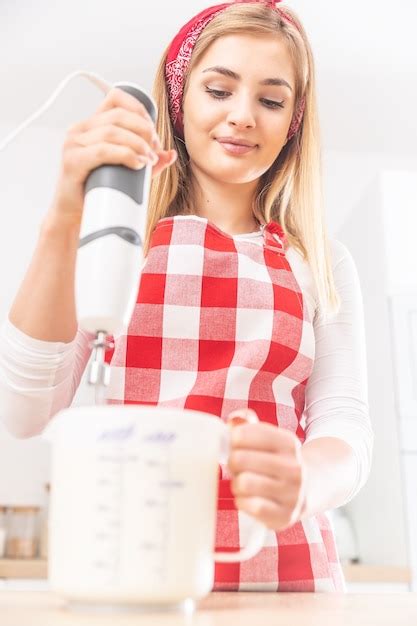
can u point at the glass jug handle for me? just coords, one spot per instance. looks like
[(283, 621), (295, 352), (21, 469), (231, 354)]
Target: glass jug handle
[(257, 532)]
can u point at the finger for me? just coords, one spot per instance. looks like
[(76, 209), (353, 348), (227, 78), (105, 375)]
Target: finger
[(115, 135), (80, 160), (117, 97), (166, 159), (130, 121), (242, 416), (250, 484), (270, 513), (272, 464), (110, 122), (264, 436)]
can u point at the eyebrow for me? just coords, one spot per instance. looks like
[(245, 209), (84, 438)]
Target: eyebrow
[(280, 82)]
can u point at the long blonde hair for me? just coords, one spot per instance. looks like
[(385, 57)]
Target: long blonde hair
[(290, 192)]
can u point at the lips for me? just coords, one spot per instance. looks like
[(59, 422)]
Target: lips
[(235, 148), (237, 141)]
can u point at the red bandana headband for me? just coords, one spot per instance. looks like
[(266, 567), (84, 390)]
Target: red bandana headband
[(179, 55)]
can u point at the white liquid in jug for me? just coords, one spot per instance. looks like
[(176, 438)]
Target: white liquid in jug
[(134, 522)]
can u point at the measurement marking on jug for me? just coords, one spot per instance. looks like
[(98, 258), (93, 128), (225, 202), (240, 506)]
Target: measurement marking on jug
[(153, 503), (171, 483), (153, 463), (109, 493), (164, 484), (154, 498), (148, 545), (101, 564), (122, 474)]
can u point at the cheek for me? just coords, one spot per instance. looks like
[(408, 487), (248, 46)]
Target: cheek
[(273, 144), (198, 128), (277, 137), (202, 117)]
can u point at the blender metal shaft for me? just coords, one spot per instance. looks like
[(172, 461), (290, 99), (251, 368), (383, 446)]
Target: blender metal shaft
[(99, 372)]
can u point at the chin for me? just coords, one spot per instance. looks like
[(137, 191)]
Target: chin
[(232, 173), (238, 174), (233, 178), (244, 180)]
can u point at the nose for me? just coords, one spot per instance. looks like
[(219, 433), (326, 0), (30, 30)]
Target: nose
[(241, 113)]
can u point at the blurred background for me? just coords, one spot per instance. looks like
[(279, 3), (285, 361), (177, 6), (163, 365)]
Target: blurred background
[(366, 60)]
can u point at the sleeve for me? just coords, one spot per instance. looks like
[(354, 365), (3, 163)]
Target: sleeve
[(337, 390), (37, 378)]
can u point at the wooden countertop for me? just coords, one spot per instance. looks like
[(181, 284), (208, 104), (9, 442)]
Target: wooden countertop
[(358, 573), (20, 608)]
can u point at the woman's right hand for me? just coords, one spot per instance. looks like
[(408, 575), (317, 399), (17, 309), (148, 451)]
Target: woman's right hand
[(120, 132)]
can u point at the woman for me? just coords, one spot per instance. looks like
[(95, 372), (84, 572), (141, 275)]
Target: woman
[(243, 305)]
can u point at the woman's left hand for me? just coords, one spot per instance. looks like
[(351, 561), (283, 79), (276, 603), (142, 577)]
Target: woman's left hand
[(267, 472)]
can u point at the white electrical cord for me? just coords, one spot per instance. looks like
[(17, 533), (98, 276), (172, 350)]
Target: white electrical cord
[(102, 84), (105, 87)]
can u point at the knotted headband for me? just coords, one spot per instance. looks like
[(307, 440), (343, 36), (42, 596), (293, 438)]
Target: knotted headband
[(179, 55)]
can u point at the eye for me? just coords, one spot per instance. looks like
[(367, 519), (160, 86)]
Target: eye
[(215, 93), (221, 95), (272, 104)]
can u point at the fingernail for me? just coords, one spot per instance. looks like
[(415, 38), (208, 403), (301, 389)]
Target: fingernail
[(156, 142), (153, 157), (236, 421), (139, 164)]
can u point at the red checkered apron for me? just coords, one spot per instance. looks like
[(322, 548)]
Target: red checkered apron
[(221, 324)]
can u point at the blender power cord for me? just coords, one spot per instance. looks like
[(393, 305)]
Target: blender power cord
[(102, 84), (105, 86)]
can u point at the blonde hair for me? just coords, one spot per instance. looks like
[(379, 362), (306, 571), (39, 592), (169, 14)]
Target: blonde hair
[(290, 192)]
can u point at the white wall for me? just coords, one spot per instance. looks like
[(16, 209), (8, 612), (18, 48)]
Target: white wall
[(28, 171), (29, 167), (378, 509), (356, 191)]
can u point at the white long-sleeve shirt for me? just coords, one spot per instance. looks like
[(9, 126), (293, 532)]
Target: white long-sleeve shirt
[(39, 378)]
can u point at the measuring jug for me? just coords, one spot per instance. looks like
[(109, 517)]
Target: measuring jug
[(133, 505)]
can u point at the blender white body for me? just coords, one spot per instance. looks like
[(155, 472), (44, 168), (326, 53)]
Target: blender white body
[(110, 253)]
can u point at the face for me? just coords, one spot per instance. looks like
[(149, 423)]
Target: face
[(243, 106)]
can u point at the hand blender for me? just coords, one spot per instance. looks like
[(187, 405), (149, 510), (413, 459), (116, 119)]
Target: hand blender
[(110, 251)]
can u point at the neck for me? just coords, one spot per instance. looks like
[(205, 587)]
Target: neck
[(227, 205)]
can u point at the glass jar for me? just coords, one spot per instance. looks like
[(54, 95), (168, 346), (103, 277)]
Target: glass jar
[(3, 530), (22, 539)]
